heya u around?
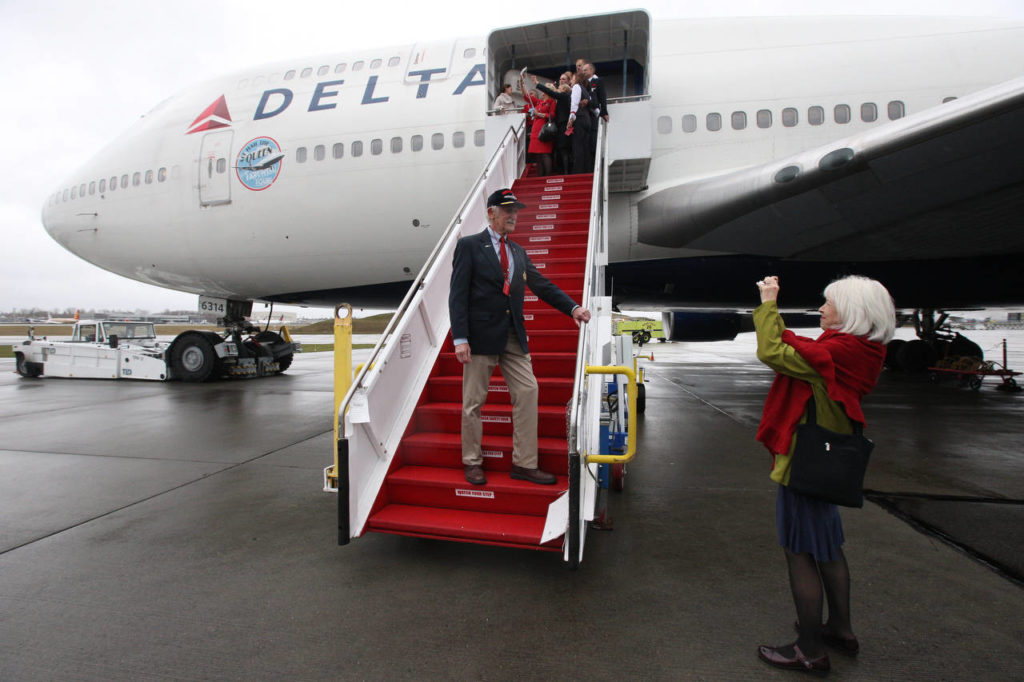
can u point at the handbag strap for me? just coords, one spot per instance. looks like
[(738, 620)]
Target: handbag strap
[(812, 416)]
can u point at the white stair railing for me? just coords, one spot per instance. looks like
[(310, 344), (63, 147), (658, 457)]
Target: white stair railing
[(378, 406)]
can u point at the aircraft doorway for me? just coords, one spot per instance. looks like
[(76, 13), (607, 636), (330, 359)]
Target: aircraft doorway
[(214, 169)]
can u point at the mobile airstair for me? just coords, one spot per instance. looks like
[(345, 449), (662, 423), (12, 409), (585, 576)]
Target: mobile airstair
[(399, 465)]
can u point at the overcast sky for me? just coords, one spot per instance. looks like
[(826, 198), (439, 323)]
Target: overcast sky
[(76, 73)]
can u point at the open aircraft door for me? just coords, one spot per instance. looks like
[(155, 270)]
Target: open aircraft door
[(215, 169)]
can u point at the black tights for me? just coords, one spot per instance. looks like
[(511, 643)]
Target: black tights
[(543, 164), (806, 577)]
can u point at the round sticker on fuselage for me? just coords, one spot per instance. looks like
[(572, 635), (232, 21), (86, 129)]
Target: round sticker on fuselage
[(259, 163)]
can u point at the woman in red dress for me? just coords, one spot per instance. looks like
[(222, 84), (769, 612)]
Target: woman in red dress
[(544, 110)]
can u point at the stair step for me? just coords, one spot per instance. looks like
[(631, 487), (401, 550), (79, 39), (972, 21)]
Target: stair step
[(534, 238), (515, 530), (544, 364), (447, 488), (541, 341), (448, 389), (437, 449), (497, 419), (532, 215)]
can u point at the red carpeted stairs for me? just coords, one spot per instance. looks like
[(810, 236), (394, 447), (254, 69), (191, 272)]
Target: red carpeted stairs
[(425, 493)]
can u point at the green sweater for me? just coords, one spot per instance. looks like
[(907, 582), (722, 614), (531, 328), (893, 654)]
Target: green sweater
[(784, 359)]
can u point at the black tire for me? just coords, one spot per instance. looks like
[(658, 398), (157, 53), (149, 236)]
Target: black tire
[(647, 336), (283, 362), (892, 351), (193, 358), (916, 356), (963, 347), (30, 370), (641, 399)]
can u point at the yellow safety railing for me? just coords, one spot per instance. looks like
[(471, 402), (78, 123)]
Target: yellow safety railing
[(342, 374), (631, 420)]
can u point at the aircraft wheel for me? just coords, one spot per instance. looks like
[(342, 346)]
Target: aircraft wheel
[(26, 368), (963, 347), (283, 362), (892, 351), (616, 477), (193, 358), (916, 356), (641, 398)]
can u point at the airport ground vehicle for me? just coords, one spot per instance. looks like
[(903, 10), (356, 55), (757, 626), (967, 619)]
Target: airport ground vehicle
[(130, 350), (642, 330)]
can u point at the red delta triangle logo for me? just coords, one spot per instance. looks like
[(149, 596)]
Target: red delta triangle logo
[(214, 116)]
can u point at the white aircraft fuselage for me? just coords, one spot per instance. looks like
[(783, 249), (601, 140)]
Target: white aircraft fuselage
[(253, 186)]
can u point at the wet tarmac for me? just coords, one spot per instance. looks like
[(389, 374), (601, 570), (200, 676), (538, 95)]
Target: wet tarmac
[(179, 532)]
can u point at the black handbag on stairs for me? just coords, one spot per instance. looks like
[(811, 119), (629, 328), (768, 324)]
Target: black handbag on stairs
[(828, 465)]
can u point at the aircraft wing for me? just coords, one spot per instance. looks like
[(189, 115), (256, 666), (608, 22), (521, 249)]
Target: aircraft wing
[(945, 182)]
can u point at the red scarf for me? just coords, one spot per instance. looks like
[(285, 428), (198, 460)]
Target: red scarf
[(850, 366)]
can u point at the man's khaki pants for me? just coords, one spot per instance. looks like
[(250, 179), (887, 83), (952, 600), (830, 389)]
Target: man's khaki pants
[(522, 387)]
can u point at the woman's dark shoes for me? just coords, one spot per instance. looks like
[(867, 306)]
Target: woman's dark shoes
[(790, 657), (847, 647)]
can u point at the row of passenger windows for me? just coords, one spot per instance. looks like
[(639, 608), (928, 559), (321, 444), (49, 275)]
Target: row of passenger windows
[(397, 144), (135, 179), (342, 67), (790, 117)]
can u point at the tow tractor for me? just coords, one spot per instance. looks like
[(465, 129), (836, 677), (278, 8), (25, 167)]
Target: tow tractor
[(130, 350)]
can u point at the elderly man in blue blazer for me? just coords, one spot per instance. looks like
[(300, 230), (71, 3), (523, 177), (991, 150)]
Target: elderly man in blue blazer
[(490, 274)]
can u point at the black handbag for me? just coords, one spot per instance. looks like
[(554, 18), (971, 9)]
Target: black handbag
[(549, 132), (829, 466)]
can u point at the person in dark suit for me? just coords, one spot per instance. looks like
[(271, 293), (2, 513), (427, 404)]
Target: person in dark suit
[(580, 126), (489, 277), (598, 103)]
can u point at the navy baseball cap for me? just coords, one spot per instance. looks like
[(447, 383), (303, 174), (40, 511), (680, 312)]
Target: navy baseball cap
[(504, 197)]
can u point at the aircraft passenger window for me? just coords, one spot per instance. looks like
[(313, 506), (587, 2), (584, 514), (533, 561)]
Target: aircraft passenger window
[(416, 143), (868, 112), (74, 192), (469, 53), (896, 110), (103, 185), (340, 68), (842, 113), (689, 123), (376, 146), (396, 145), (357, 148), (113, 183), (319, 152), (764, 118), (322, 71), (358, 66), (437, 141), (290, 74), (948, 99), (790, 117), (338, 150), (478, 138), (739, 120), (394, 61), (375, 64), (458, 139), (81, 190), (816, 116), (149, 173), (306, 72), (714, 122), (664, 125), (300, 155), (136, 179), (161, 175), (124, 181), (92, 188)]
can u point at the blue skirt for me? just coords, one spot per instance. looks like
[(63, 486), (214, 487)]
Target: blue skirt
[(808, 526)]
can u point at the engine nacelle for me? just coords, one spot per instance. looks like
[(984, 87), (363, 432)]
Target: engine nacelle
[(692, 326)]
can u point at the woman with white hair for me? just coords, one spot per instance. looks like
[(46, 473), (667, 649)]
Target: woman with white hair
[(837, 369)]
